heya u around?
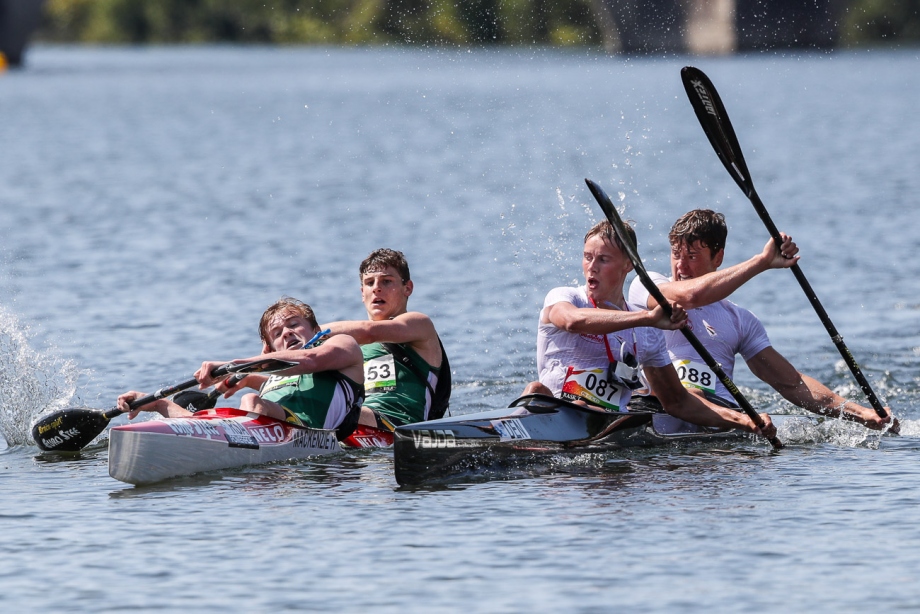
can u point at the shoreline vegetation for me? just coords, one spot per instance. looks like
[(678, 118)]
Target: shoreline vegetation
[(558, 23)]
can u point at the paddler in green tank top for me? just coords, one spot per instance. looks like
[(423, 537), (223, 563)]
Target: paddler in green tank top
[(324, 390), (402, 381)]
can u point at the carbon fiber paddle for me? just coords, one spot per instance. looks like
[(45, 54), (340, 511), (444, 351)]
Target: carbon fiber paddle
[(718, 128), (73, 428)]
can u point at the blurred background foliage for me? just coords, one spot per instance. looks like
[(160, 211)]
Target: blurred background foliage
[(881, 21), (321, 21), (421, 22)]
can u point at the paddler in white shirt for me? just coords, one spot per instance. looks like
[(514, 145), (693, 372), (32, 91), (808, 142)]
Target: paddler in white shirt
[(323, 391), (590, 344), (406, 372), (697, 249)]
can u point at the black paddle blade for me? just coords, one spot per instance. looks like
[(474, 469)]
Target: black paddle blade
[(718, 127), (68, 430)]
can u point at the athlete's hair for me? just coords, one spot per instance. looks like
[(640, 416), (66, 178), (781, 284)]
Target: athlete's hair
[(381, 259), (703, 225), (283, 306), (605, 230)]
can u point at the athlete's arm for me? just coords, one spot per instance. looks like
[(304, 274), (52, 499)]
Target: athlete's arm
[(681, 404), (413, 328), (712, 287), (808, 393), (339, 353), (579, 320), (164, 407)]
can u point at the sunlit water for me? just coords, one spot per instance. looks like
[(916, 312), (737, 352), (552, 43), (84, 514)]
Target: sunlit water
[(153, 202)]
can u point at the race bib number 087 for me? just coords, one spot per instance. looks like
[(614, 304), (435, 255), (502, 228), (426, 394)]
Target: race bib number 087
[(591, 385), (695, 375), (380, 375)]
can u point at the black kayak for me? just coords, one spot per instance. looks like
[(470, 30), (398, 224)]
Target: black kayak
[(532, 427)]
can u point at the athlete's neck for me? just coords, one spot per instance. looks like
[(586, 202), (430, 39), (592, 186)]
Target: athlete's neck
[(615, 301), (379, 317)]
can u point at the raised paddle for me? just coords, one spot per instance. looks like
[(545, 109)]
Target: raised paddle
[(614, 218), (72, 429), (714, 119)]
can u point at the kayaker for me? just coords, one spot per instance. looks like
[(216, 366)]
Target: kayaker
[(697, 249), (406, 372), (324, 390), (590, 344)]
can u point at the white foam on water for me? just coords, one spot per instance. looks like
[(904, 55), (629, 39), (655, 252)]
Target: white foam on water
[(815, 429), (31, 382)]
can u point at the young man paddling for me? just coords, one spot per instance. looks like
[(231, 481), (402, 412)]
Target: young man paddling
[(725, 329), (590, 344), (406, 373), (324, 390)]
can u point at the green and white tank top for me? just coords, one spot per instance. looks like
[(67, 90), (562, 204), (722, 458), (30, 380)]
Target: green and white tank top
[(391, 389)]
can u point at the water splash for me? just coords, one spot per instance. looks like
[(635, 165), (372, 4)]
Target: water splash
[(838, 432), (31, 382)]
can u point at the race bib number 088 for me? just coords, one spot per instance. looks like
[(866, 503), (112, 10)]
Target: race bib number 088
[(695, 375), (380, 375), (591, 385)]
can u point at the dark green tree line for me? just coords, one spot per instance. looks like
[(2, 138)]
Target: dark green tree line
[(419, 22)]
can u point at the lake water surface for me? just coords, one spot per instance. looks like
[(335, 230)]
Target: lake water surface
[(154, 201)]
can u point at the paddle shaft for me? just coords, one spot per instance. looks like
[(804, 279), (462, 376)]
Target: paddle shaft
[(633, 254), (240, 369), (709, 109), (156, 396), (835, 336), (162, 393)]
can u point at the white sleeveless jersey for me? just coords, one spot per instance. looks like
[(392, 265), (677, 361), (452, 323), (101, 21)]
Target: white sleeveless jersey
[(558, 349), (724, 328)]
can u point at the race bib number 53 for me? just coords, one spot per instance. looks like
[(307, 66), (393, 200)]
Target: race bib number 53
[(380, 375), (695, 375), (591, 385)]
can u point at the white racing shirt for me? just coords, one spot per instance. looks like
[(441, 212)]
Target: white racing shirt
[(724, 328), (557, 350)]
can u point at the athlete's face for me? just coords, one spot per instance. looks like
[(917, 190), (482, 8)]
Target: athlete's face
[(693, 260), (605, 267), (385, 294), (288, 331)]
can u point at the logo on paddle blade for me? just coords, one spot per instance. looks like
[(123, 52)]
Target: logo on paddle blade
[(703, 93), (44, 428)]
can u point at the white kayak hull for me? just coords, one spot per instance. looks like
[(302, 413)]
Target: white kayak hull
[(156, 450)]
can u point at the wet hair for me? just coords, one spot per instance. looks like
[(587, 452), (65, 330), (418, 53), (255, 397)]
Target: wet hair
[(605, 230), (283, 306), (703, 225), (380, 259)]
